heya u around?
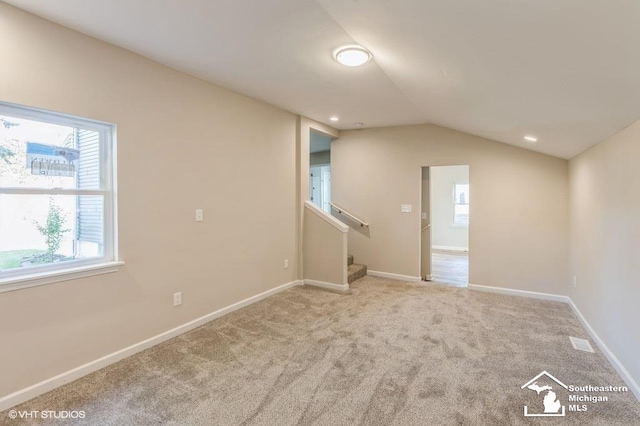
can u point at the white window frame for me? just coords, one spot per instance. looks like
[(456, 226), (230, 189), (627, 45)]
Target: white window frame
[(49, 273)]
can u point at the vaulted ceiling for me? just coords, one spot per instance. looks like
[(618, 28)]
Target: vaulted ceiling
[(566, 71)]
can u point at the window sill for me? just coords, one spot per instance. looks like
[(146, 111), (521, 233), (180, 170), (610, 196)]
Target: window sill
[(50, 277)]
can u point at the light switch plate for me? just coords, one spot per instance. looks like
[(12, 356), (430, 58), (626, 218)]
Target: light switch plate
[(199, 215), (424, 215), (405, 208)]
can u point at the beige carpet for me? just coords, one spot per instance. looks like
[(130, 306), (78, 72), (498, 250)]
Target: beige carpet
[(389, 353)]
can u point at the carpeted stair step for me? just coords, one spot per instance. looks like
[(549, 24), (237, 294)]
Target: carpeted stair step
[(355, 272), (349, 259)]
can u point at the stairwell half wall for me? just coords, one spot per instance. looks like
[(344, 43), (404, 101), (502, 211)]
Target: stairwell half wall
[(324, 249)]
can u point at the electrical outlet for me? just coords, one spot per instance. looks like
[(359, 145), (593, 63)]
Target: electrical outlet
[(575, 282), (177, 298), (286, 263)]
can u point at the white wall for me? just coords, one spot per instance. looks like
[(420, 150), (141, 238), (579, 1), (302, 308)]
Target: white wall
[(605, 242), (519, 232), (182, 144), (444, 234)]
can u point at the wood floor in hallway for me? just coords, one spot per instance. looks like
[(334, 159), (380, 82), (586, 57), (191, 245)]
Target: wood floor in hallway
[(450, 267)]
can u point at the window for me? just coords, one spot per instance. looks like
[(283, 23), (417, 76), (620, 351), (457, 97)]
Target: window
[(461, 204), (56, 193)]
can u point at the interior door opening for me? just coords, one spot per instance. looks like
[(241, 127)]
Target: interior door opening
[(320, 170), (445, 222)]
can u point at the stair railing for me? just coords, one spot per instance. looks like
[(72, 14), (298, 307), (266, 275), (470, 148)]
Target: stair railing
[(349, 215)]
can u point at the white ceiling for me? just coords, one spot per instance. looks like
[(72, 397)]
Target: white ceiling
[(567, 71)]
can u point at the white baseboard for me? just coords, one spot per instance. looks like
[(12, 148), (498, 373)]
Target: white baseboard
[(613, 360), (33, 391), (429, 278), (329, 286), (522, 293), (394, 276), (451, 248)]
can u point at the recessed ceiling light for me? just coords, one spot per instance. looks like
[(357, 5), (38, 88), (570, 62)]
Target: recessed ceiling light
[(352, 55), (334, 118), (531, 138)]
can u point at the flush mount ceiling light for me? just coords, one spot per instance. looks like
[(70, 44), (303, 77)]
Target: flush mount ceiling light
[(531, 138), (352, 55), (334, 118)]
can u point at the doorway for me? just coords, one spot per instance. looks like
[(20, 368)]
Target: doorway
[(320, 170), (320, 186), (445, 224)]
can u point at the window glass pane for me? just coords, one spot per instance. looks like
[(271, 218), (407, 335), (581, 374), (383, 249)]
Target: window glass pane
[(35, 154), (37, 230), (461, 214), (461, 204), (462, 194)]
